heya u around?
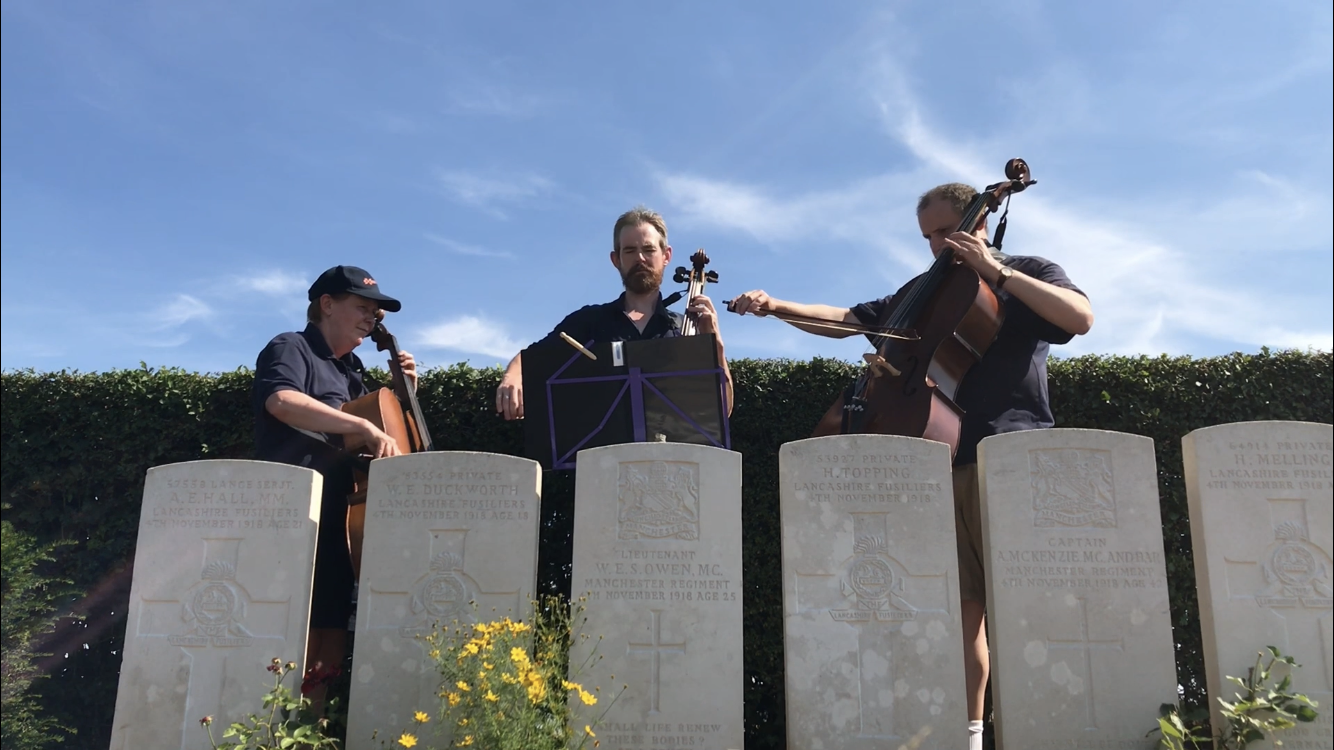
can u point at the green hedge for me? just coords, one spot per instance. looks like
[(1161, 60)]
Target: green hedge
[(76, 446)]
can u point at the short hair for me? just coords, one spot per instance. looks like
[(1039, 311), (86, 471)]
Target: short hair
[(633, 218), (313, 312), (956, 194)]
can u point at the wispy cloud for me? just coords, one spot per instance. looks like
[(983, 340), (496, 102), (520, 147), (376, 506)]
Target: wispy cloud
[(493, 100), (165, 322), (461, 249), (275, 282), (1147, 289), (473, 335), (489, 191)]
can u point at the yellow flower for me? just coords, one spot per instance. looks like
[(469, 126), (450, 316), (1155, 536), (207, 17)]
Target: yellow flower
[(463, 686), (488, 665), (463, 722), (520, 658), (471, 647), (466, 741), (435, 653), (589, 731), (421, 717), (491, 696), (508, 678), (407, 740), (453, 698), (588, 698), (571, 685)]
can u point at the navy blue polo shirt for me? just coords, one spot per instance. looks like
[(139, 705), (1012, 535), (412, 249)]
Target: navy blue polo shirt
[(608, 322), (1007, 390), (300, 362)]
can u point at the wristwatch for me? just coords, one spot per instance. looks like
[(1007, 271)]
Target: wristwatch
[(1005, 273)]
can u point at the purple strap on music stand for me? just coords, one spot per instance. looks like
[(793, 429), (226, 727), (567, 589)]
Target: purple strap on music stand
[(635, 381)]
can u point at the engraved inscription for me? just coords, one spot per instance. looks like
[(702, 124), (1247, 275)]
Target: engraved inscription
[(867, 478), (195, 503), (658, 500), (660, 575), (1080, 562), (1279, 465), (451, 495), (1072, 487)]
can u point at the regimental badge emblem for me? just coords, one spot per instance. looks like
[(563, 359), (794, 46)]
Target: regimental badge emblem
[(1072, 487), (214, 608), (1295, 571), (875, 581), (444, 595), (658, 500)]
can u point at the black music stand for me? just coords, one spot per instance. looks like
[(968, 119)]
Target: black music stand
[(633, 392)]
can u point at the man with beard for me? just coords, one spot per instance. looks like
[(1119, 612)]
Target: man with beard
[(640, 254), (1005, 391)]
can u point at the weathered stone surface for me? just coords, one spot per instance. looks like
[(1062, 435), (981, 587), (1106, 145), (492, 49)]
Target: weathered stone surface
[(1080, 632), (443, 530), (1260, 520), (657, 549), (870, 594), (222, 574)]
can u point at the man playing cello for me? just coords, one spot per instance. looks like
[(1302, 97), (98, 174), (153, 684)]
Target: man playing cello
[(301, 380), (640, 254), (1005, 391)]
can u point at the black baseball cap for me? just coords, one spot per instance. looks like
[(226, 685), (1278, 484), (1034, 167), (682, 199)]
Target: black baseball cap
[(352, 280)]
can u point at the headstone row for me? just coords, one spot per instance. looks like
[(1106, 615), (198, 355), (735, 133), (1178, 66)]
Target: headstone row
[(1078, 616)]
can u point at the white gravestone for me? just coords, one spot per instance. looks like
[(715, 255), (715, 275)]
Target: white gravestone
[(657, 550), (1077, 610), (1260, 521), (222, 576), (444, 530), (874, 651)]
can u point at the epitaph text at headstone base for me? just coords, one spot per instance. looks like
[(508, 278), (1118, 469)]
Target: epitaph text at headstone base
[(874, 651), (1260, 497), (450, 540), (222, 576), (1080, 631), (657, 552)]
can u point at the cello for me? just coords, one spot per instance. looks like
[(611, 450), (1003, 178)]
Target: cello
[(910, 383), (396, 412), (694, 278)]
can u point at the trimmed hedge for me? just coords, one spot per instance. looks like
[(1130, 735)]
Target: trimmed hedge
[(75, 448)]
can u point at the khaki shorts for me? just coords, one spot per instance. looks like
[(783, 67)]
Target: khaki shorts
[(968, 534)]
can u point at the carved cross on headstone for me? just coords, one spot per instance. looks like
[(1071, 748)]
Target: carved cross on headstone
[(876, 594), (1085, 645), (1291, 580), (443, 593), (655, 648), (209, 622)]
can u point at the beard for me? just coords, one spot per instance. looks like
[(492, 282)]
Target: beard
[(641, 280)]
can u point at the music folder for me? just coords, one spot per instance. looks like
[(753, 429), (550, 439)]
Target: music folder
[(635, 391)]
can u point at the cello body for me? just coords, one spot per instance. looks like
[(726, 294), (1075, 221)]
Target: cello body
[(396, 412), (911, 384), (955, 328)]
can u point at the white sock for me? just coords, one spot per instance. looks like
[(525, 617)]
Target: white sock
[(974, 735)]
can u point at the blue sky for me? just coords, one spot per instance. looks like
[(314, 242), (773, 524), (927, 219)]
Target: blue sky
[(176, 174)]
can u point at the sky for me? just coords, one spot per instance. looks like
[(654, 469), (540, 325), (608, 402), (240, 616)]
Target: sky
[(175, 175)]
